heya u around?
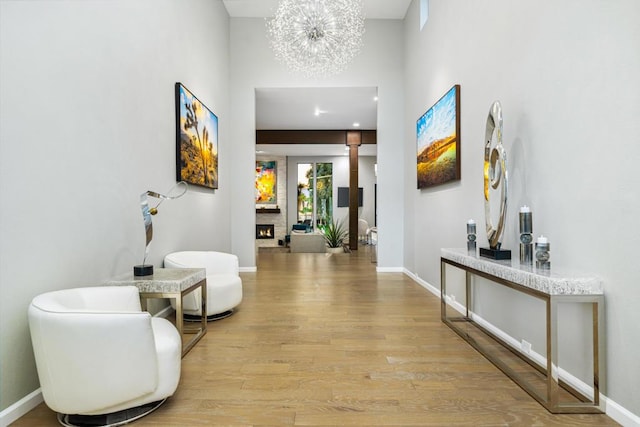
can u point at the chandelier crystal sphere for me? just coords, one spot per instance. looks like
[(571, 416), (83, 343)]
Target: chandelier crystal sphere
[(317, 37)]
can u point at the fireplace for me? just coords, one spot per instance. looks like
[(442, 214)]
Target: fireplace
[(265, 231)]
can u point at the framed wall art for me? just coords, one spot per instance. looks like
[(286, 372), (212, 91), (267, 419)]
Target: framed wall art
[(266, 182), (196, 140), (438, 141)]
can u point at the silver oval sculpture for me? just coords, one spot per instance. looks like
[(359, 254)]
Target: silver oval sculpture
[(495, 173)]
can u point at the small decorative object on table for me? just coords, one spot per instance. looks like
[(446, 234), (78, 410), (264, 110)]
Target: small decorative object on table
[(526, 238), (471, 237), (495, 173), (145, 269), (542, 254)]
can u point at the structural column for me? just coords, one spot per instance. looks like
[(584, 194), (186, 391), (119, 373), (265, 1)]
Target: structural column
[(354, 139)]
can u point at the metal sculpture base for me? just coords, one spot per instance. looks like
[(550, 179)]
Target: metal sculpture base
[(109, 420), (495, 253), (143, 270), (210, 318)]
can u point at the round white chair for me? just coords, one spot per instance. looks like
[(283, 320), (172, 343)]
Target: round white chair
[(224, 286), (100, 359)]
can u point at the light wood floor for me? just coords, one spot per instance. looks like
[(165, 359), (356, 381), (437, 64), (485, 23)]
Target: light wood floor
[(323, 340)]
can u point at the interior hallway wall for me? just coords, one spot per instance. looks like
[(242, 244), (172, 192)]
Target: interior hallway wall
[(87, 124), (566, 74)]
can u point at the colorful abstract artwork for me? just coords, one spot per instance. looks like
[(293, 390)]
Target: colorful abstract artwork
[(438, 141), (266, 182), (196, 140)]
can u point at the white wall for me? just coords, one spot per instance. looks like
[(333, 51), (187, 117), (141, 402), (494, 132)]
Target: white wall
[(367, 180), (86, 125), (378, 65), (567, 76)]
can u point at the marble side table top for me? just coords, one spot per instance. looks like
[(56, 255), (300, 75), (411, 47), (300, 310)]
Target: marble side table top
[(549, 282), (167, 280)]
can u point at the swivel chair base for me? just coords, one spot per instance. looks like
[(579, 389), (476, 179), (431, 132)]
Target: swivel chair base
[(210, 318), (109, 420)]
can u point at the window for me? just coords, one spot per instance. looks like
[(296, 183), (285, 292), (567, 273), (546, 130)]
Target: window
[(315, 193), (424, 13)]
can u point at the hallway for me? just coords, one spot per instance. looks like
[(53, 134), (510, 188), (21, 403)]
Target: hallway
[(323, 340)]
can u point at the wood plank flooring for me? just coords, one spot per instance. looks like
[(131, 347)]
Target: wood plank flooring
[(322, 340)]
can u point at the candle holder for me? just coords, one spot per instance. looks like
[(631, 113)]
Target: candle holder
[(471, 237), (526, 237), (542, 254)]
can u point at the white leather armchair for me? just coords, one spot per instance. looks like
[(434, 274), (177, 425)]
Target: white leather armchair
[(224, 285), (97, 353)]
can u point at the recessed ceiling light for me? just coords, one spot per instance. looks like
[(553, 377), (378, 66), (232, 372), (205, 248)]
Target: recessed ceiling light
[(356, 124), (375, 98), (260, 152)]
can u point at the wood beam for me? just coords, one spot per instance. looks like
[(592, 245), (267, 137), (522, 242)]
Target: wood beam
[(354, 139), (311, 136)]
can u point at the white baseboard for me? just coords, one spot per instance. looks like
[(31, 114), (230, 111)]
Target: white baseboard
[(538, 358), (389, 270), (248, 269), (20, 408), (428, 286), (622, 415), (615, 411)]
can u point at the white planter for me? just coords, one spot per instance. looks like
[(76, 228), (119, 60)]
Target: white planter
[(339, 250)]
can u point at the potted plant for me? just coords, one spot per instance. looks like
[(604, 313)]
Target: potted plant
[(334, 235)]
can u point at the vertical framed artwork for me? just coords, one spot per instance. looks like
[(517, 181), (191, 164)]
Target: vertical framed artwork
[(196, 140), (266, 182), (438, 141)]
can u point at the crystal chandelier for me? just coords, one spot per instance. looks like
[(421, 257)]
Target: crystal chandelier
[(317, 37)]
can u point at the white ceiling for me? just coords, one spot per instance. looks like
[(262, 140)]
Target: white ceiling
[(294, 108), (373, 9), (328, 108)]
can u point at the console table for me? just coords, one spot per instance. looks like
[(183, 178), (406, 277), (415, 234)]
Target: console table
[(553, 289), (172, 283)]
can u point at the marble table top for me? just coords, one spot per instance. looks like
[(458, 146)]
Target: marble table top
[(548, 282), (163, 280)]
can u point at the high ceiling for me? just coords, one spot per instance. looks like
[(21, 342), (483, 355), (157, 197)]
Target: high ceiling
[(315, 108), (373, 9)]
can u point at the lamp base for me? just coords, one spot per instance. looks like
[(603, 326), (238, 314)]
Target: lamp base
[(495, 253), (143, 270)]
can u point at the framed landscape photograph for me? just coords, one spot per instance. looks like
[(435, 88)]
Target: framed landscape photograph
[(196, 140), (266, 182), (438, 141)]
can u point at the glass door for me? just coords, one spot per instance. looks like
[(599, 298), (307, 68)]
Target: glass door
[(315, 194)]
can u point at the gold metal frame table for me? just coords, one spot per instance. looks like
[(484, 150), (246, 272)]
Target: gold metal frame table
[(549, 287), (172, 283)]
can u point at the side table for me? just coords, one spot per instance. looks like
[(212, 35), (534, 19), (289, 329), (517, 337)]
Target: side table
[(172, 283)]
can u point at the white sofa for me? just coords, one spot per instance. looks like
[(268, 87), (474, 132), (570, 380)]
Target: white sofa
[(224, 285), (97, 353), (307, 242)]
